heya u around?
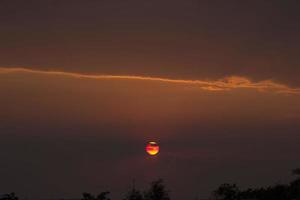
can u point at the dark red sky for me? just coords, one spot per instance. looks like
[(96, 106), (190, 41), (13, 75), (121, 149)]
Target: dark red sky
[(63, 133)]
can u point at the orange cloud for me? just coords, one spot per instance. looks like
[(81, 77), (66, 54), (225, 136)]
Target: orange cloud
[(225, 84)]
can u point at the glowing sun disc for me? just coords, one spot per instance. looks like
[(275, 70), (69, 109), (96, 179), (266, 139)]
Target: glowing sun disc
[(152, 148)]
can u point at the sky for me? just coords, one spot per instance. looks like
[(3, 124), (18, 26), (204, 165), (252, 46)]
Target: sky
[(84, 85)]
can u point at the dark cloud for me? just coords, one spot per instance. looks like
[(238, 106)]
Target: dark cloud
[(194, 39)]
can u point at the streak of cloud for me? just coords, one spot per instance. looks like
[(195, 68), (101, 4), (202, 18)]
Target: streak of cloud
[(225, 84)]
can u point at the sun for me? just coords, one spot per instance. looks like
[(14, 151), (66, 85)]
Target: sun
[(152, 148)]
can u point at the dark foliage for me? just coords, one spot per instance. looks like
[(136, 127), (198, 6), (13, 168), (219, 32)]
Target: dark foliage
[(278, 192), (157, 191), (134, 195), (296, 172), (101, 196), (227, 192), (10, 196)]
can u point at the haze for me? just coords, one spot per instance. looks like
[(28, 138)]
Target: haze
[(84, 85)]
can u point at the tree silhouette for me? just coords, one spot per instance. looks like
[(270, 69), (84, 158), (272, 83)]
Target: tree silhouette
[(295, 185), (277, 192), (101, 196), (227, 192), (133, 194), (296, 172), (10, 196), (157, 191), (87, 196)]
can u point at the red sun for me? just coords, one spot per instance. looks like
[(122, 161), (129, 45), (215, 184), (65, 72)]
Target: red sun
[(152, 148)]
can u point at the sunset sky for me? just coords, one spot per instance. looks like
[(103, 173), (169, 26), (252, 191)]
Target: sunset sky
[(84, 85)]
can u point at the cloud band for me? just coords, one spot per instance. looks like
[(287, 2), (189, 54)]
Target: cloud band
[(225, 84)]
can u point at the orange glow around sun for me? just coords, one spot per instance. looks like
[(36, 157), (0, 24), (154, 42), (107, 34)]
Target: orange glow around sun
[(152, 148)]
